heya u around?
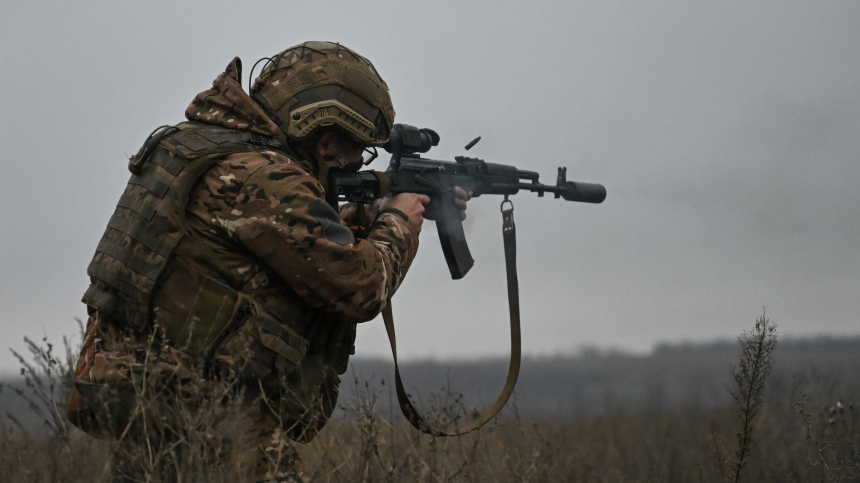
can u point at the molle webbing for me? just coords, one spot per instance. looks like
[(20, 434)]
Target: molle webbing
[(137, 205), (286, 344), (275, 345), (118, 252), (152, 184), (149, 220)]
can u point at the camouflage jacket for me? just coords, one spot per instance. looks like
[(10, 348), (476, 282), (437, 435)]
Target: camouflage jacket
[(261, 220), (258, 209)]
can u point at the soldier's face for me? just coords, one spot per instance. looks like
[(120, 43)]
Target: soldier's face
[(335, 147)]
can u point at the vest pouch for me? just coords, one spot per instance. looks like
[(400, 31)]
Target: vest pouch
[(308, 397), (262, 346), (112, 405), (217, 311), (302, 387), (335, 341)]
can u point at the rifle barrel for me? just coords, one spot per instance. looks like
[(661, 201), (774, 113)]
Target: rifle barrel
[(570, 191)]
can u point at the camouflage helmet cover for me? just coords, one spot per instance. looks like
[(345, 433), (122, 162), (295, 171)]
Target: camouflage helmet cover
[(318, 84)]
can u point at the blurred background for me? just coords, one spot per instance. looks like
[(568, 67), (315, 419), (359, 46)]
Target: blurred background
[(726, 134)]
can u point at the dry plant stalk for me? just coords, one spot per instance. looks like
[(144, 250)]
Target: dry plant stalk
[(366, 446), (755, 363), (188, 430), (834, 437)]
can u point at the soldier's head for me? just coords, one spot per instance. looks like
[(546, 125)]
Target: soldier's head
[(327, 99)]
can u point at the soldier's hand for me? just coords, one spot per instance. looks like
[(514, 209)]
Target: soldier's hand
[(412, 205), (460, 199)]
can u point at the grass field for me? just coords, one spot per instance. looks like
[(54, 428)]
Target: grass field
[(659, 448), (805, 429)]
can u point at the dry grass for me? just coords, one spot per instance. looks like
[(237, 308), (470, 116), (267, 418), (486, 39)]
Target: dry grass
[(805, 440), (675, 447), (642, 448)]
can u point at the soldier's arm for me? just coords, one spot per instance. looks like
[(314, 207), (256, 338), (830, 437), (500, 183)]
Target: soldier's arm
[(281, 216), (350, 215)]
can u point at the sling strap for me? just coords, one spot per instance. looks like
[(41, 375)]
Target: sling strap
[(412, 415)]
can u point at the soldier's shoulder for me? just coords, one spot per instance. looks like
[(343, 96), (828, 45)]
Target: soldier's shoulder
[(225, 183), (244, 165)]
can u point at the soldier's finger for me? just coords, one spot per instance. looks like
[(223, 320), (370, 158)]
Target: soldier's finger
[(416, 222), (460, 193)]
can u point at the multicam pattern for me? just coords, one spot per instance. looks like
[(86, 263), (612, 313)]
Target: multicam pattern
[(324, 83), (226, 104), (260, 202), (251, 213)]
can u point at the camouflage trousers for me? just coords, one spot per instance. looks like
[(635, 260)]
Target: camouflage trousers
[(186, 441), (172, 421)]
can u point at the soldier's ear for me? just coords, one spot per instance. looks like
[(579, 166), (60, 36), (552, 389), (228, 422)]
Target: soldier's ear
[(327, 144)]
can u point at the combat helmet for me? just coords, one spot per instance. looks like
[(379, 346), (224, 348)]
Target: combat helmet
[(317, 84)]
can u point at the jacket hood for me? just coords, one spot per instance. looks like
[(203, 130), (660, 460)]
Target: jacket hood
[(226, 104)]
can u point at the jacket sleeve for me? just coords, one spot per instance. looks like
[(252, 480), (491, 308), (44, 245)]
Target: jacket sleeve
[(349, 212), (282, 218)]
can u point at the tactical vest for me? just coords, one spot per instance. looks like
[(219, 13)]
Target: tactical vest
[(147, 226)]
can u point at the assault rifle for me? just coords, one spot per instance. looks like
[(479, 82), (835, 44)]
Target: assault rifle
[(408, 172)]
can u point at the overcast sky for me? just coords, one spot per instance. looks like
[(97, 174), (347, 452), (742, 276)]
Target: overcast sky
[(726, 134)]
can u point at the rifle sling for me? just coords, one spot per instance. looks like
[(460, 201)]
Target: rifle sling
[(412, 415)]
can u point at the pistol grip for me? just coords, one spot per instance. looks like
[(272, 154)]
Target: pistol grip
[(451, 235)]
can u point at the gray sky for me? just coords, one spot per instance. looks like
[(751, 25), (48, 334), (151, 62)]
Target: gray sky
[(726, 134)]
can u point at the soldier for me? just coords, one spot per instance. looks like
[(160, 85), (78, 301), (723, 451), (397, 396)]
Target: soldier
[(225, 259)]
